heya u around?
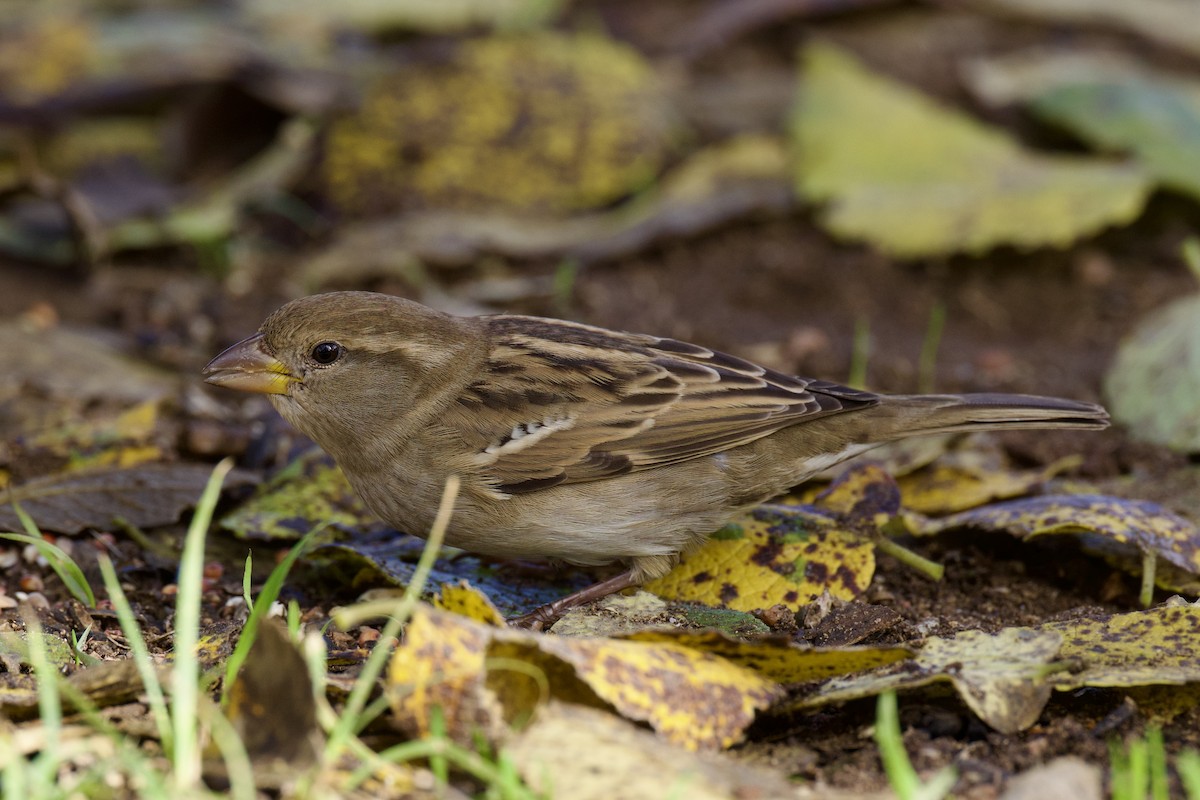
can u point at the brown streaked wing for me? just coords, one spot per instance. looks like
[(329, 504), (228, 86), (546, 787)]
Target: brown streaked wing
[(564, 402)]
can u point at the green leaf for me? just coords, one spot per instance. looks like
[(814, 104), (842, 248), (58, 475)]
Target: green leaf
[(1113, 103), (1154, 380)]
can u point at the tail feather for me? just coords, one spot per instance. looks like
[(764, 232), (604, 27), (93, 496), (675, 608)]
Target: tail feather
[(923, 414)]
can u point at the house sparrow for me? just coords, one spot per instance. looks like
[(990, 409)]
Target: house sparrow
[(572, 442)]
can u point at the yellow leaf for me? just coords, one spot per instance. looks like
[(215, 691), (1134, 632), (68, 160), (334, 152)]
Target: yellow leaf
[(780, 659), (464, 599), (959, 481), (694, 698), (772, 555), (1146, 526), (372, 16), (469, 670), (45, 55), (864, 497), (791, 555), (939, 181), (1158, 646), (123, 439), (441, 664), (541, 121)]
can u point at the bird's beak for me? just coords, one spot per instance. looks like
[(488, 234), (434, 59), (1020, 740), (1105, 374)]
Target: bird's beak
[(249, 368)]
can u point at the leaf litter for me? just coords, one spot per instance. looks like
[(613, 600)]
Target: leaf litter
[(585, 670)]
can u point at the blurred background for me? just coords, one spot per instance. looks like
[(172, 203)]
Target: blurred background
[(953, 195), (956, 195)]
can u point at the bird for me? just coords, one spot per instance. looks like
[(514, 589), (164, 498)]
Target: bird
[(573, 443)]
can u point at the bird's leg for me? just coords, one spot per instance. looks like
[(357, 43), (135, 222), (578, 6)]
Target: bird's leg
[(544, 616)]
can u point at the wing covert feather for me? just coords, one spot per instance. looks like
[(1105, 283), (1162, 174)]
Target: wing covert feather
[(564, 403)]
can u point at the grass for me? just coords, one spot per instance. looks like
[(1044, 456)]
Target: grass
[(1140, 769), (1188, 765), (860, 355), (927, 362), (904, 780), (62, 564), (84, 755)]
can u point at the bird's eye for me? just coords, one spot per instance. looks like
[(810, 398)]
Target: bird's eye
[(326, 353)]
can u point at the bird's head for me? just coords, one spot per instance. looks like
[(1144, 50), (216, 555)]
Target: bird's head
[(337, 365)]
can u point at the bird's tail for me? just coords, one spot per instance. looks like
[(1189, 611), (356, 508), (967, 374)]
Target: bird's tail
[(924, 414)]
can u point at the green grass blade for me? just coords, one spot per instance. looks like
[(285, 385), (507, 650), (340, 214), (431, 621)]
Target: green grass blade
[(63, 565), (349, 722), (1188, 765), (927, 363), (860, 357), (185, 679), (49, 708), (260, 607), (1160, 788), (151, 685), (904, 780)]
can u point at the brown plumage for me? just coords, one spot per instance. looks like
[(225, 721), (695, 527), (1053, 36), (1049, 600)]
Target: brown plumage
[(573, 442)]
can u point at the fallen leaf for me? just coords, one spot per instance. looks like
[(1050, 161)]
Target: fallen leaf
[(120, 439), (1167, 22), (790, 554), (586, 754), (614, 615), (541, 121), (939, 182), (44, 54), (691, 697), (465, 600), (781, 554), (1161, 704), (1109, 101), (271, 704), (1141, 648), (374, 16), (1146, 526), (14, 651), (777, 657), (620, 614), (963, 480), (76, 366), (1154, 379), (742, 177), (1005, 677), (380, 552), (310, 491), (143, 496)]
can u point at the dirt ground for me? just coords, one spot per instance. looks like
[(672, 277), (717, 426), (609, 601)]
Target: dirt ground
[(782, 292)]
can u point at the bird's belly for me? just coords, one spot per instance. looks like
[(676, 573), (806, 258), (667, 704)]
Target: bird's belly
[(578, 536), (638, 515)]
